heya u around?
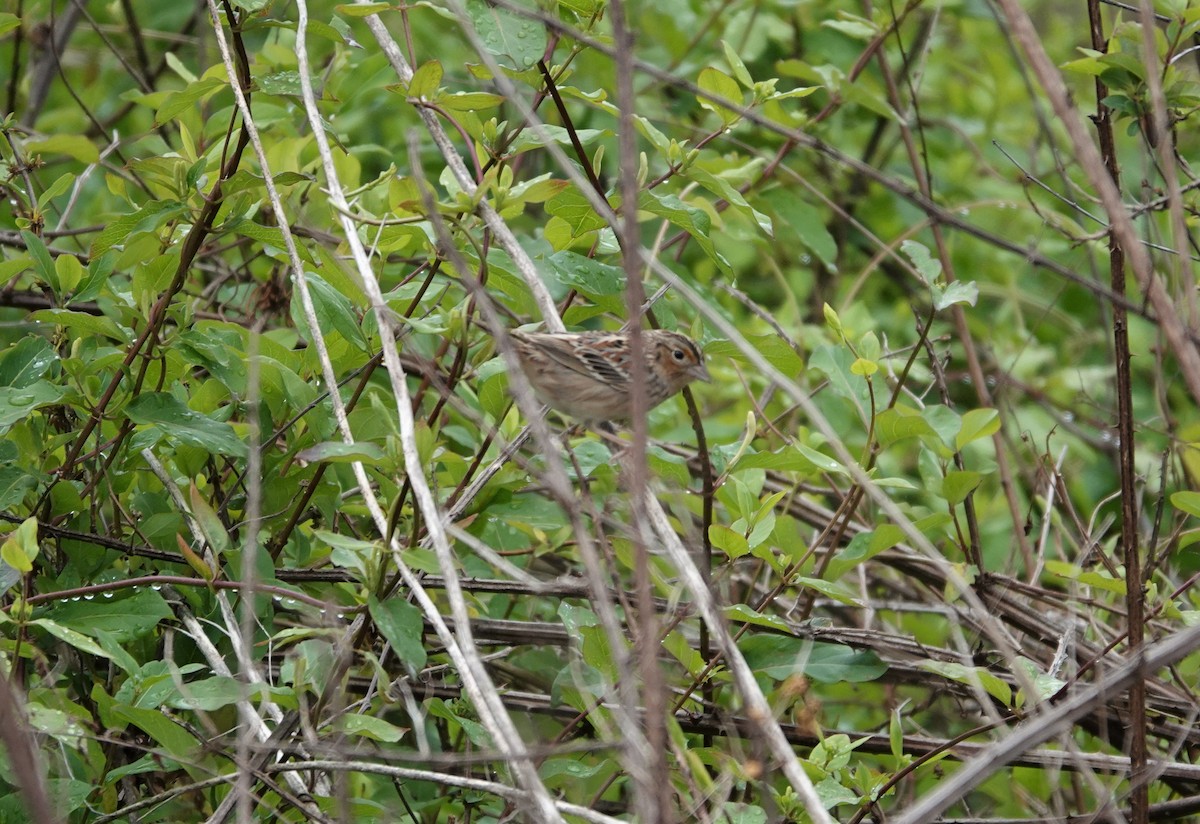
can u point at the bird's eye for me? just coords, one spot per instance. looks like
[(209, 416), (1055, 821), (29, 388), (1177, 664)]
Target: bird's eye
[(679, 355)]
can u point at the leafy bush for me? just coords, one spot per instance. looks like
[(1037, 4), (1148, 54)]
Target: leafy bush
[(277, 535)]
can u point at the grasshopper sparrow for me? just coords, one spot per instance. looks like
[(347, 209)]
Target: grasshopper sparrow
[(587, 374)]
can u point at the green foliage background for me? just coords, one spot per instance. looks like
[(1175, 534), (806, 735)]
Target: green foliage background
[(879, 231)]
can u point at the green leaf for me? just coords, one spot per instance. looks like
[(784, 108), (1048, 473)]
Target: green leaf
[(69, 272), (271, 236), (896, 736), (780, 658), (869, 347), (777, 352), (122, 616), (209, 694), (43, 263), (177, 421), (900, 423), (110, 644), (530, 139), (188, 98), (147, 218), (8, 22), (492, 389), (744, 614), (402, 625), (1187, 502), (291, 179), (927, 266), (592, 454), (153, 763), (59, 186), (799, 220), (72, 145), (976, 424), (16, 404), (958, 484), (506, 35), (979, 677), (475, 732), (1090, 66), (219, 351), (1103, 580), (853, 26), (597, 653), (869, 99), (210, 524), (351, 553), (178, 67), (584, 8), (281, 83), (15, 266), (26, 361), (695, 222), (735, 63), (575, 618), (764, 525), (363, 9), (715, 82), (64, 794), (733, 544), (98, 271), (15, 484), (592, 278), (471, 102), (86, 325), (571, 769), (201, 566), (738, 812), (66, 634), (426, 80), (830, 589), (945, 421), (67, 795), (341, 452), (21, 547), (166, 174), (831, 318), (832, 792), (787, 459), (897, 483), (573, 208), (368, 726), (679, 646), (863, 367), (333, 310), (1046, 686), (821, 461), (727, 191), (173, 738), (964, 292)]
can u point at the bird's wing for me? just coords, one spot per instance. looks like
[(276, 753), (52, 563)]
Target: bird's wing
[(588, 360), (604, 369)]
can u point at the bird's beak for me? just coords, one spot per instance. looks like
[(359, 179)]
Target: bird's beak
[(700, 373)]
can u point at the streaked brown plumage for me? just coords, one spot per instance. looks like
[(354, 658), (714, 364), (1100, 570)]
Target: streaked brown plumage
[(587, 374)]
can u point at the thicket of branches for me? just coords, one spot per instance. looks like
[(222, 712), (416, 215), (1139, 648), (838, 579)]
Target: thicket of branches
[(278, 543)]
